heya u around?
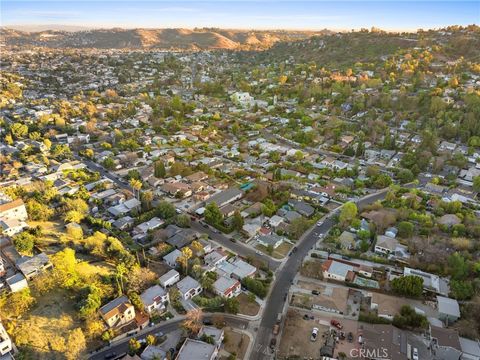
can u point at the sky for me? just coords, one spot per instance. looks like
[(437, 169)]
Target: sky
[(245, 14)]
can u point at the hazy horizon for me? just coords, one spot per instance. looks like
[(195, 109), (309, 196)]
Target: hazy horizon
[(245, 15)]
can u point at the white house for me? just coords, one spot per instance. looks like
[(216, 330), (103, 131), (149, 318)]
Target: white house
[(226, 287), (171, 258), (13, 210), (154, 299), (189, 287), (170, 278), (336, 270), (5, 341)]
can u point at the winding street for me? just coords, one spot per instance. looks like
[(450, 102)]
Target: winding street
[(284, 279)]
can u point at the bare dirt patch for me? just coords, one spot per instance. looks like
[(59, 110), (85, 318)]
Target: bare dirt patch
[(236, 342), (312, 268), (247, 307), (296, 336)]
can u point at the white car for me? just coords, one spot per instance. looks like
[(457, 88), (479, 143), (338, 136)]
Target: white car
[(415, 354), (313, 337)]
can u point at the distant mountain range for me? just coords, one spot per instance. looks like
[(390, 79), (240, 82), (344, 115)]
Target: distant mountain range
[(167, 39)]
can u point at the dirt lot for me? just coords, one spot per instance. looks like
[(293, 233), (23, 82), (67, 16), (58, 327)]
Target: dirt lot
[(236, 343), (312, 268), (247, 307), (297, 331), (296, 336)]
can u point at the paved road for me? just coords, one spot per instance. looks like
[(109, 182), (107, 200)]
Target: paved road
[(237, 246), (284, 279), (121, 347)]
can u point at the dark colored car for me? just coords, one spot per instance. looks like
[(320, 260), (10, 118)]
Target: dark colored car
[(315, 292), (350, 337), (112, 355)]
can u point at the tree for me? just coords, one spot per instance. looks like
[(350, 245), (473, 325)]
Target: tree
[(183, 259), (65, 267), (19, 130), (159, 170), (405, 176), (166, 210), (410, 285), (461, 290), (408, 318), (183, 220), (24, 243), (38, 211), (268, 207), (237, 221), (136, 185), (255, 286), (108, 163), (348, 214), (134, 346), (459, 268), (212, 214), (196, 246), (136, 300), (476, 184), (17, 303), (405, 229), (147, 198), (298, 226), (76, 344), (151, 340), (232, 305), (193, 321)]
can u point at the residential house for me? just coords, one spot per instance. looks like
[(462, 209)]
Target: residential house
[(13, 210), (197, 350), (169, 278), (385, 245), (171, 258), (217, 335), (226, 287), (238, 269), (431, 283), (189, 287), (118, 312), (448, 309), (5, 342), (347, 240), (154, 299), (125, 208), (17, 282), (336, 270), (272, 240), (11, 227), (212, 259), (32, 266), (226, 197), (149, 225)]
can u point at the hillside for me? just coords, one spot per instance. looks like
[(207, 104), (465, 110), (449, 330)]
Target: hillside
[(168, 39)]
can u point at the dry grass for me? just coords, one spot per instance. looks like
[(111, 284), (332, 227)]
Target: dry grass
[(312, 269), (247, 307), (236, 343), (45, 329)]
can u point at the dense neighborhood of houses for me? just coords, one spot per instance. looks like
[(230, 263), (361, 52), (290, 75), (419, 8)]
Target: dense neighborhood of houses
[(139, 189)]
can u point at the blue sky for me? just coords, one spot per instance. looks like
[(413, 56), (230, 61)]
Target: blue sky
[(234, 14)]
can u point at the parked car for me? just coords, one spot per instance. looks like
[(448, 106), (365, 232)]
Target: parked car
[(313, 337), (315, 292), (415, 354), (112, 355), (276, 329), (336, 324), (273, 342)]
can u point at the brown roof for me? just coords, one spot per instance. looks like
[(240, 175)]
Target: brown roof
[(446, 337), (11, 205)]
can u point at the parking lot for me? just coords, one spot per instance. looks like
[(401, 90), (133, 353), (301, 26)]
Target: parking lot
[(297, 331), (296, 336)]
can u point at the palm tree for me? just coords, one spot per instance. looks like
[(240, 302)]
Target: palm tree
[(136, 186), (121, 270)]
